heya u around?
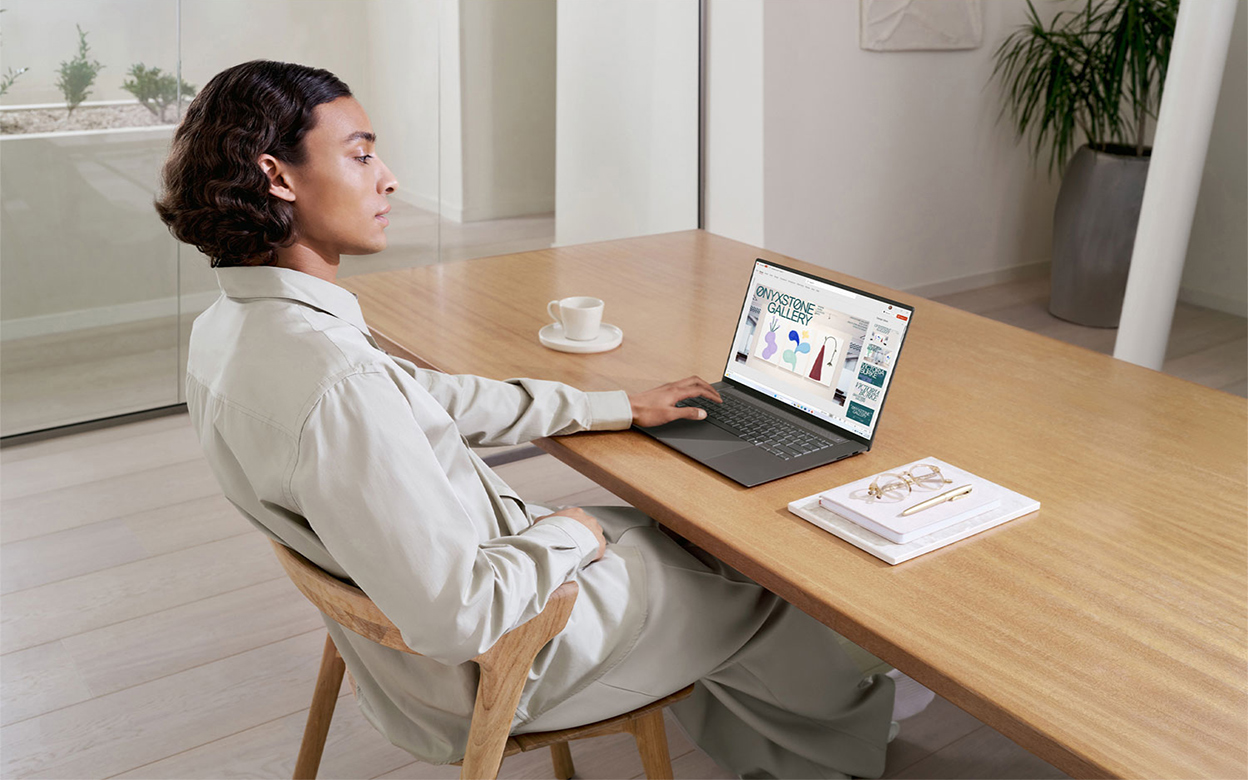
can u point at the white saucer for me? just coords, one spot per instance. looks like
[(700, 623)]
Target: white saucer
[(609, 337)]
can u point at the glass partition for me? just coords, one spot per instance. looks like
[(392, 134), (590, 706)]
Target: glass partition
[(88, 275), (510, 126)]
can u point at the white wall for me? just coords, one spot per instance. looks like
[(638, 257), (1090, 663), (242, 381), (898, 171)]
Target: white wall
[(403, 46), (507, 93), (734, 120), (450, 114), (626, 118), (1216, 274), (891, 166)]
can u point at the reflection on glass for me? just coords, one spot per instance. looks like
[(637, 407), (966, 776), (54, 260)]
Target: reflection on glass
[(88, 293), (510, 127)]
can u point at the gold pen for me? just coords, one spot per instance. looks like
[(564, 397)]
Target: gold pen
[(950, 495)]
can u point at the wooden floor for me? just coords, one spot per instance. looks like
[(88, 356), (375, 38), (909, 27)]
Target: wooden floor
[(147, 631)]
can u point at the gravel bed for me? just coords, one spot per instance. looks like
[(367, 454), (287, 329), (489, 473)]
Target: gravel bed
[(50, 120)]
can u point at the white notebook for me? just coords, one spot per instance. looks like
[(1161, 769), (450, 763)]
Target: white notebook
[(1013, 505), (884, 515)]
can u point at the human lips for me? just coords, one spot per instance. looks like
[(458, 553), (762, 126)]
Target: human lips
[(381, 216)]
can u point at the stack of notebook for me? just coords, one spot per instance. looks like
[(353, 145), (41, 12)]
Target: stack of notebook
[(881, 526)]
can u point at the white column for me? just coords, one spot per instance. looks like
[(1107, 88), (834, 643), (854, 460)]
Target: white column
[(1193, 80)]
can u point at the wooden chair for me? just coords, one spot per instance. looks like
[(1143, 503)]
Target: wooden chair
[(504, 669)]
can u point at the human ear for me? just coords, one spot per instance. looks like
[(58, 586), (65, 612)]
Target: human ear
[(274, 169)]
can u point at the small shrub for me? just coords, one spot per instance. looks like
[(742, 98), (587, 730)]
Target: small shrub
[(155, 90), (78, 74), (12, 75), (9, 78)]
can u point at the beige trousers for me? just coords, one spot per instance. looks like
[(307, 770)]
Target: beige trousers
[(776, 696)]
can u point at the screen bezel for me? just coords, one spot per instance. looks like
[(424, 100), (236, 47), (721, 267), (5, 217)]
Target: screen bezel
[(782, 405)]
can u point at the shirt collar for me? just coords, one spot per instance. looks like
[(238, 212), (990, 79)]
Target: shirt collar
[(266, 281)]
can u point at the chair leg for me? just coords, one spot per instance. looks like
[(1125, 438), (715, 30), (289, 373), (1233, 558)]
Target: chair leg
[(651, 740), (328, 683), (561, 756)]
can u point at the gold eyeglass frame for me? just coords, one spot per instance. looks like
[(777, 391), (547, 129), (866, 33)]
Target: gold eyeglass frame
[(909, 480)]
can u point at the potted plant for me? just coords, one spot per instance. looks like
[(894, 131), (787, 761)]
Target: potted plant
[(1094, 74)]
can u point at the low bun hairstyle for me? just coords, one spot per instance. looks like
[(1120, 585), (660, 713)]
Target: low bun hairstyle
[(214, 194)]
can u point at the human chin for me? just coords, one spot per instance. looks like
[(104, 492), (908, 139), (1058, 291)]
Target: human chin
[(370, 246)]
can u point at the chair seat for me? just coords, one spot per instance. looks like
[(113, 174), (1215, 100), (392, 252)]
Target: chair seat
[(522, 743)]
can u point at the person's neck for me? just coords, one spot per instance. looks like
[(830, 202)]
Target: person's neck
[(301, 257)]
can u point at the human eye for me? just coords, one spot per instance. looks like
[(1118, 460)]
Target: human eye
[(364, 158)]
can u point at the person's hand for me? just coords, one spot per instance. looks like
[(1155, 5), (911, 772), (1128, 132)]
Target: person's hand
[(587, 520), (658, 406)]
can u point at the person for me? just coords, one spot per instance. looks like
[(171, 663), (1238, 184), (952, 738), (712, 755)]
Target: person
[(363, 463)]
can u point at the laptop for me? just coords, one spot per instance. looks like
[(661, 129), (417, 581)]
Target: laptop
[(810, 364)]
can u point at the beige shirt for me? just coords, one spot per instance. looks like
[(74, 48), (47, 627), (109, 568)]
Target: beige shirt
[(360, 461)]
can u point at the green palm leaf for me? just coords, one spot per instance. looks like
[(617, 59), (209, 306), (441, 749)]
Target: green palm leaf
[(1094, 74)]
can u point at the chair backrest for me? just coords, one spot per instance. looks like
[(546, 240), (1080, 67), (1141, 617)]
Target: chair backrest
[(351, 608), (345, 604), (504, 667)]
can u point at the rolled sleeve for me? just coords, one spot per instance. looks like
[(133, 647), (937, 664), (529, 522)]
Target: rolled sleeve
[(560, 531)]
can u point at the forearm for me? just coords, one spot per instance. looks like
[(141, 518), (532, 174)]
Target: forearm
[(492, 413)]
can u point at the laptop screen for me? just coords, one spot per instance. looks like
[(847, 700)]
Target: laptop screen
[(820, 347)]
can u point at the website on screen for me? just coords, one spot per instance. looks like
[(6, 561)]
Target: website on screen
[(823, 349)]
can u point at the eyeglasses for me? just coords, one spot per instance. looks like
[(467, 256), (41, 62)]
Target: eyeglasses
[(896, 486)]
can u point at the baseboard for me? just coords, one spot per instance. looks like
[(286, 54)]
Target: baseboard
[(975, 281), (103, 316), (15, 439), (1208, 300), (509, 209), (432, 205)]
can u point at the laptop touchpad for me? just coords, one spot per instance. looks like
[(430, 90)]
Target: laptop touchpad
[(699, 438)]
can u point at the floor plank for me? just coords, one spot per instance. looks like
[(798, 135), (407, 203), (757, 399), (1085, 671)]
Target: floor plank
[(186, 524), (132, 652), (96, 462), (52, 557), (62, 609), (136, 726), (38, 680), (984, 753), (940, 725), (353, 748), (128, 494), (613, 756), (1205, 346), (1214, 366)]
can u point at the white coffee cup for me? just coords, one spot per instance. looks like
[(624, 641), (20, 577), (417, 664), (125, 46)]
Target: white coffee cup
[(579, 315)]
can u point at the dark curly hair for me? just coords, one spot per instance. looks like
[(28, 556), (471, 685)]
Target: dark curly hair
[(215, 196)]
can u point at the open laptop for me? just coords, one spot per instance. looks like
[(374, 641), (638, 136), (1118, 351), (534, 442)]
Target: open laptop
[(810, 364)]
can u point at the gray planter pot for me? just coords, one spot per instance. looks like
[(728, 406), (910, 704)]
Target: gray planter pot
[(1098, 208)]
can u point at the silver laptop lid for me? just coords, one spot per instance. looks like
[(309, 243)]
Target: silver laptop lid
[(822, 348)]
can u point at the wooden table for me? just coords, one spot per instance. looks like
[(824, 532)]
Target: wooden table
[(1105, 633)]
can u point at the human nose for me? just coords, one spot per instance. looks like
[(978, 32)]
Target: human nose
[(387, 181)]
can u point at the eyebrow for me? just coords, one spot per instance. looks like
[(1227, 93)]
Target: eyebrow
[(370, 137)]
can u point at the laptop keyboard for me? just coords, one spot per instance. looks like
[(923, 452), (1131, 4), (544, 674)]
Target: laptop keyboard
[(755, 425)]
